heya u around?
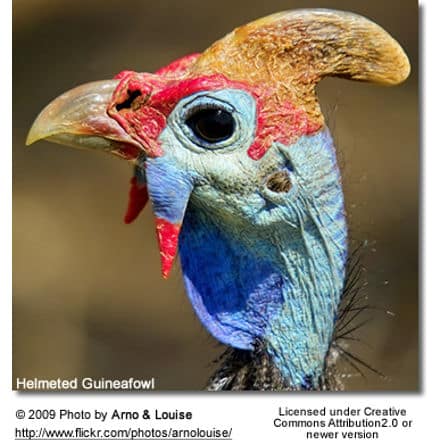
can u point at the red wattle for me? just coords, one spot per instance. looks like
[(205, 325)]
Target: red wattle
[(167, 236), (137, 199)]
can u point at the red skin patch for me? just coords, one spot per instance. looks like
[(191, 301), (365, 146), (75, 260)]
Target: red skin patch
[(167, 236), (137, 199), (276, 122), (146, 122), (283, 123), (141, 121)]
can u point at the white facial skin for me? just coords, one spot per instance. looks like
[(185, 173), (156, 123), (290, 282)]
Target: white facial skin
[(227, 181)]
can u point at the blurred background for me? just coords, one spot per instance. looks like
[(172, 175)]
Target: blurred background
[(88, 296)]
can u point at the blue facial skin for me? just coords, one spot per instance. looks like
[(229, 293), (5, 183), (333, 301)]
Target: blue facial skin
[(257, 264)]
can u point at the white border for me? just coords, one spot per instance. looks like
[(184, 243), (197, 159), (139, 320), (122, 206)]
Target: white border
[(251, 415)]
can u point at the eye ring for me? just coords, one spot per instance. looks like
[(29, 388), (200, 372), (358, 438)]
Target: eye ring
[(239, 104), (211, 124)]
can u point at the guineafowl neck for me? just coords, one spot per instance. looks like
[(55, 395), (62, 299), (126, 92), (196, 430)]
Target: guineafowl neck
[(299, 336), (276, 287), (288, 301)]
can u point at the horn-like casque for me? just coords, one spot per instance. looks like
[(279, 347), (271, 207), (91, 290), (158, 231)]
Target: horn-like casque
[(292, 51)]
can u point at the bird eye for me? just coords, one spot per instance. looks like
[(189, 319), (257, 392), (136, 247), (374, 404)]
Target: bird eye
[(212, 125)]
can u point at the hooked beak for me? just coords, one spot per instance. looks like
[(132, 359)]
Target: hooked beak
[(78, 118)]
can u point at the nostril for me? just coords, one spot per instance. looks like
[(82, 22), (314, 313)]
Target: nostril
[(129, 102), (279, 182)]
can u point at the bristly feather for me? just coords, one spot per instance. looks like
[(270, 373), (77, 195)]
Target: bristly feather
[(247, 370), (255, 371)]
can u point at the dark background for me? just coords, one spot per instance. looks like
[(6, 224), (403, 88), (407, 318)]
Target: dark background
[(88, 296)]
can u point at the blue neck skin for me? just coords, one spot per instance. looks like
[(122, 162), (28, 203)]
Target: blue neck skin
[(279, 281)]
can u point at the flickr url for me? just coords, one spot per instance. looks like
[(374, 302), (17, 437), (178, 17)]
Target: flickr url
[(122, 434)]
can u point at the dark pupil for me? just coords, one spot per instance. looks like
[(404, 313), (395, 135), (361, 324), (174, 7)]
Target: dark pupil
[(212, 125)]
